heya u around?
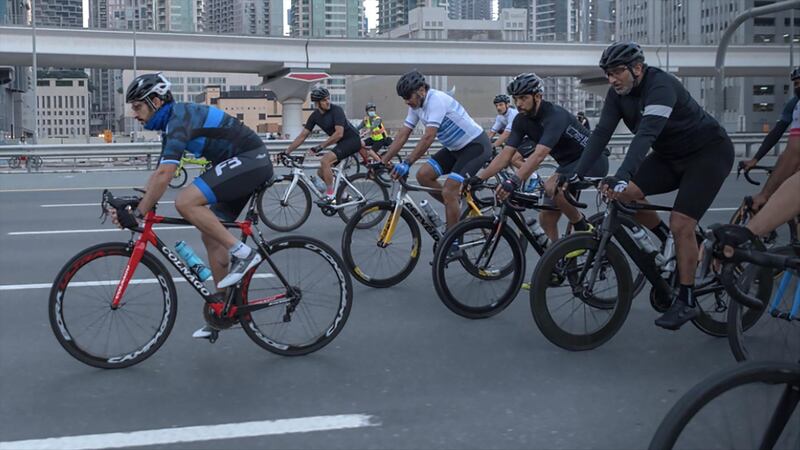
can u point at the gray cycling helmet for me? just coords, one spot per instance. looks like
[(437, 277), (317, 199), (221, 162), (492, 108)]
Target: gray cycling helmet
[(525, 83), (501, 98), (319, 93), (369, 106), (410, 82), (621, 54)]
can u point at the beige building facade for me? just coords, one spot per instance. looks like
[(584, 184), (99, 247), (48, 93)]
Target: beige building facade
[(63, 104)]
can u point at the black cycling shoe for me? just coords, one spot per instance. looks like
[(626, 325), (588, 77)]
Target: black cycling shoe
[(678, 314)]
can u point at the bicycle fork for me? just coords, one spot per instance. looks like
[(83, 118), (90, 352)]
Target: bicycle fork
[(130, 268)]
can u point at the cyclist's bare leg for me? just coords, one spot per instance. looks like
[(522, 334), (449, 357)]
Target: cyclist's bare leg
[(549, 221), (218, 257), (517, 160), (649, 219), (427, 177), (560, 201), (325, 172), (452, 201), (686, 250), (782, 206), (192, 205)]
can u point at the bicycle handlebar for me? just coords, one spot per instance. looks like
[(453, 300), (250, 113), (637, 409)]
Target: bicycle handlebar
[(740, 168)]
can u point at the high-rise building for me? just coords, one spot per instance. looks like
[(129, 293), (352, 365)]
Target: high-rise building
[(750, 103), (59, 13), (176, 15), (470, 9), (16, 97), (253, 17), (393, 13)]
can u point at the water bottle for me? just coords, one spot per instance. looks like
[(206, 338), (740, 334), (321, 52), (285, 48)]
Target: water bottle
[(319, 184), (646, 244), (532, 183), (539, 234), (669, 255), (431, 214), (192, 260)]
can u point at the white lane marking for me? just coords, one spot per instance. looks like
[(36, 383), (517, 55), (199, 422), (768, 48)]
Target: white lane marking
[(165, 436), (103, 230), (21, 287), (60, 205), (723, 209), (69, 189)]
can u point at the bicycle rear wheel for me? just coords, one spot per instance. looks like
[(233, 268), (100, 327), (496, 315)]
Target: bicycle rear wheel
[(750, 406), (322, 290), (80, 307), (179, 179), (370, 190), (284, 215), (483, 276)]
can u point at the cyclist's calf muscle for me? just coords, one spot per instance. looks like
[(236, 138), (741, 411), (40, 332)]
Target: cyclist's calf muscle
[(781, 207)]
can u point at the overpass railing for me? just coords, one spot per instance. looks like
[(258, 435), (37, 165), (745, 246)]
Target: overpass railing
[(144, 155)]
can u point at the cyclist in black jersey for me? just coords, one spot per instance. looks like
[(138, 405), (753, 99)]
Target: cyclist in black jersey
[(692, 154), (332, 120), (789, 161), (554, 132), (241, 165)]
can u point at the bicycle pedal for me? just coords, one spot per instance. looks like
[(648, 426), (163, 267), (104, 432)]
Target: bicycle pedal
[(214, 336)]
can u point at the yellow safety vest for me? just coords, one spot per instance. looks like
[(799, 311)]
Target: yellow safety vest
[(378, 132)]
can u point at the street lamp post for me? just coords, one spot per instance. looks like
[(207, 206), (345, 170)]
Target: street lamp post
[(35, 74)]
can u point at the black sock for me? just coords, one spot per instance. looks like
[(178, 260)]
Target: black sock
[(581, 225), (661, 231), (686, 293)]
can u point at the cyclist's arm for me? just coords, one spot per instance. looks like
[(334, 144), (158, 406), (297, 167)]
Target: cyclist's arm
[(491, 134), (156, 185), (338, 132), (771, 139), (298, 141), (533, 161), (398, 142), (609, 118), (423, 145), (786, 165), (501, 141), (499, 162)]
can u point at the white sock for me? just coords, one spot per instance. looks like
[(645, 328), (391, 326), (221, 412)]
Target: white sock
[(240, 250)]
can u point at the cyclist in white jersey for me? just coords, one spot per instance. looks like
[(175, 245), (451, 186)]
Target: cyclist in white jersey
[(502, 125), (466, 146)]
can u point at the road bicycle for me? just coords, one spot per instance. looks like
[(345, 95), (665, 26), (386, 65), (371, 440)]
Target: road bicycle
[(287, 204), (745, 212), (579, 303), (181, 175), (114, 304), (32, 161)]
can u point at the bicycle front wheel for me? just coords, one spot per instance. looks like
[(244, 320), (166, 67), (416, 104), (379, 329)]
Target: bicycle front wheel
[(365, 189), (320, 293), (179, 179), (282, 209), (752, 406), (84, 322), (566, 312), (484, 274)]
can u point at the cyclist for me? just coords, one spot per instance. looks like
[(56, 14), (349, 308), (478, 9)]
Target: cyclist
[(372, 123), (692, 154), (466, 146), (503, 124), (789, 161), (241, 165), (555, 132), (332, 120), (584, 121)]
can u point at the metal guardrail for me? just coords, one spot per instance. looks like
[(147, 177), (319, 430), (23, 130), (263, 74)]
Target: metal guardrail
[(145, 154)]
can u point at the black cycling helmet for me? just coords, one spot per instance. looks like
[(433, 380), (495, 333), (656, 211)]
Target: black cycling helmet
[(795, 73), (369, 106), (525, 83), (621, 54), (410, 82), (580, 114), (319, 93), (145, 86), (501, 98)]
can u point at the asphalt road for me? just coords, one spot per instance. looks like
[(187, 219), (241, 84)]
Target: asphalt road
[(406, 371)]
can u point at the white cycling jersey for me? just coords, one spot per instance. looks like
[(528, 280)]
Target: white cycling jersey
[(456, 128), (794, 128), (503, 121)]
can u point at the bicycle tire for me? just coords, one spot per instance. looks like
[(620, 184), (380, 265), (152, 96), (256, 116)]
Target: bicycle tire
[(60, 292), (300, 202), (381, 280), (346, 213), (14, 162), (516, 269), (312, 274), (675, 423), (179, 179), (542, 279), (35, 162)]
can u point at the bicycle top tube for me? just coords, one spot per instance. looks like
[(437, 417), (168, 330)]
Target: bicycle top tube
[(626, 207)]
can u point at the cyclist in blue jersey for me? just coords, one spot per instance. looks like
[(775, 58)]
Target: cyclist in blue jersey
[(241, 165), (466, 146), (789, 161)]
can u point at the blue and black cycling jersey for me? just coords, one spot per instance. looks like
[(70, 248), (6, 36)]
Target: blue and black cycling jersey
[(205, 131)]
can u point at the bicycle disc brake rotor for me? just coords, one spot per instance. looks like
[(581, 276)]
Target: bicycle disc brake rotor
[(214, 320)]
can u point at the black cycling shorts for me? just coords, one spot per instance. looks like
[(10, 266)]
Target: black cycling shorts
[(378, 145), (347, 146), (229, 184), (462, 164), (697, 177)]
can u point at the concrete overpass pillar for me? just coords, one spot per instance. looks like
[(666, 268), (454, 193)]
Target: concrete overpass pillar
[(291, 87)]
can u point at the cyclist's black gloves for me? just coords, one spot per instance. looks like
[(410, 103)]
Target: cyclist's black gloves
[(615, 184), (127, 218), (511, 184), (315, 149), (473, 181)]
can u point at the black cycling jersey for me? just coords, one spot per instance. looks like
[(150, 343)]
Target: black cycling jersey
[(554, 127), (662, 114), (328, 120), (777, 131)]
